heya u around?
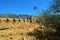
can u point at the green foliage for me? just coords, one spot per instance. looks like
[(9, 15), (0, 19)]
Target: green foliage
[(55, 6), (50, 18)]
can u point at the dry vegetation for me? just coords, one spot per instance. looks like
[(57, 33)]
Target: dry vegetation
[(16, 30)]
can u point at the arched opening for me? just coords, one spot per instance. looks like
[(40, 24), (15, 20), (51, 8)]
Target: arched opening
[(27, 19), (30, 19), (7, 20), (19, 20), (14, 20), (24, 20), (0, 20)]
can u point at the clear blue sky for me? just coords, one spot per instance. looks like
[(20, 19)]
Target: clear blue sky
[(22, 6)]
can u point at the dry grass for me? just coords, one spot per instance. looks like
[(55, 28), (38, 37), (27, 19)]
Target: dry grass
[(16, 30)]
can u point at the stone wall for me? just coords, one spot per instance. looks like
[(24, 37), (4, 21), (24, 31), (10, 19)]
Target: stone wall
[(14, 20), (17, 28), (31, 19)]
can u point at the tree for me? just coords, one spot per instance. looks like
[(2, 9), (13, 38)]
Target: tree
[(44, 19), (55, 6), (55, 19)]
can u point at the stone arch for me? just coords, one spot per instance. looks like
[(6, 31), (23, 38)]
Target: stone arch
[(19, 20), (7, 20), (0, 20), (27, 19), (23, 20), (30, 19), (14, 20)]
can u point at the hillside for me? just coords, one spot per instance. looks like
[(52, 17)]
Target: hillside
[(14, 16)]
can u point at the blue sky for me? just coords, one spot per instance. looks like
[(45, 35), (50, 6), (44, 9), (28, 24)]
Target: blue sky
[(22, 6)]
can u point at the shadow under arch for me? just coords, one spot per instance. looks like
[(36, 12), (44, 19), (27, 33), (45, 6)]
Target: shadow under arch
[(14, 20), (7, 20), (19, 20)]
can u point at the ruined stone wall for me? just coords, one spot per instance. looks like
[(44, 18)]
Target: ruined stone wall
[(14, 20), (16, 29), (31, 19)]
